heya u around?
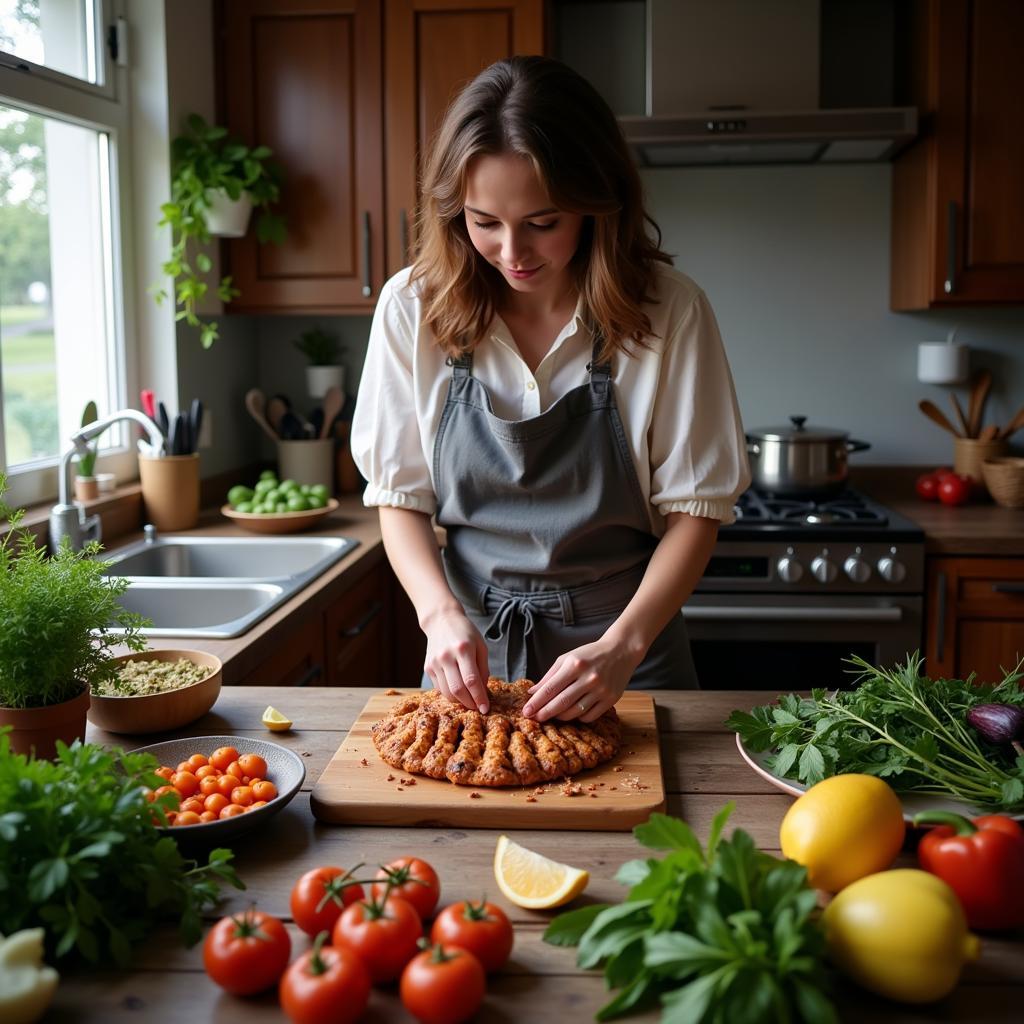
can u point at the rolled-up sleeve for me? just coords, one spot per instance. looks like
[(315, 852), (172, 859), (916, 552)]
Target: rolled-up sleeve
[(386, 442), (697, 446)]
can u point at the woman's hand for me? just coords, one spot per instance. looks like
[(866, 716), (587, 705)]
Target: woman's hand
[(583, 683), (456, 660)]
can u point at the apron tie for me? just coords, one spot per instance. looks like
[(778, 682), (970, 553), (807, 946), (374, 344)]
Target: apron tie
[(512, 623)]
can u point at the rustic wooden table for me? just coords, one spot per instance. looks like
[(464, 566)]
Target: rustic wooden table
[(541, 983)]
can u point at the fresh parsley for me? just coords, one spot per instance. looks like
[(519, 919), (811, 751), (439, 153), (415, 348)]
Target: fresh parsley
[(81, 857), (897, 724), (722, 935)]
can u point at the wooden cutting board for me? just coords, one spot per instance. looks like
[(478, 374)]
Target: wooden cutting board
[(358, 788)]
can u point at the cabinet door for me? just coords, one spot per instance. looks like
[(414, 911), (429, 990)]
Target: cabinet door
[(958, 205), (975, 617), (304, 78), (298, 660), (358, 634), (433, 48)]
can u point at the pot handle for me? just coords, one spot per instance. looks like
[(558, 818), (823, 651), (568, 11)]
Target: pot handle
[(857, 446), (752, 448)]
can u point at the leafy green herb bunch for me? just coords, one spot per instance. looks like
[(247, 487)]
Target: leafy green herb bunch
[(55, 615), (81, 856), (319, 347), (204, 160), (722, 935)]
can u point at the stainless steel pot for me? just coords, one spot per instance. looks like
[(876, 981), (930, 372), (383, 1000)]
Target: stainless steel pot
[(798, 461)]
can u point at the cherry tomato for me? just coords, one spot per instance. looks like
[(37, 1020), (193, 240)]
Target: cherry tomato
[(264, 789), (222, 757), (253, 765), (207, 816), (927, 487), (320, 895), (185, 783), (216, 802), (206, 771), (246, 953), (193, 803), (482, 928), (412, 879), (383, 936), (443, 985), (208, 785), (231, 811), (198, 761), (186, 818), (241, 795), (226, 783), (955, 489), (164, 772), (327, 983)]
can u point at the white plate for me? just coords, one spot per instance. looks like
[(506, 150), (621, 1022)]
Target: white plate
[(912, 803)]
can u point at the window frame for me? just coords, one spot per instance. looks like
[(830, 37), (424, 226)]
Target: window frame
[(103, 108)]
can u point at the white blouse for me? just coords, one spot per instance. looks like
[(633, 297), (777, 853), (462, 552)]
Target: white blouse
[(675, 398)]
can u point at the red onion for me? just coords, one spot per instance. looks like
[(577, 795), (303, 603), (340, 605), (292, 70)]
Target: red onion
[(999, 723)]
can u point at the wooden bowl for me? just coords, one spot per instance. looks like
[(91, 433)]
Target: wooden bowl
[(282, 522), (1004, 478), (159, 712)]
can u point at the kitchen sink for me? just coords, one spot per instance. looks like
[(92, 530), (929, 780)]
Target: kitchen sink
[(218, 587)]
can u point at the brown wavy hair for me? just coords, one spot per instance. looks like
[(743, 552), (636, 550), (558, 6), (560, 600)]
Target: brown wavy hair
[(540, 109)]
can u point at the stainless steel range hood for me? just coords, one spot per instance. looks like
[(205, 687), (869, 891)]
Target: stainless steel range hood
[(738, 82)]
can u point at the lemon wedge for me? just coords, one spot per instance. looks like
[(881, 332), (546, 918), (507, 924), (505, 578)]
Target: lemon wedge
[(532, 880), (274, 720)]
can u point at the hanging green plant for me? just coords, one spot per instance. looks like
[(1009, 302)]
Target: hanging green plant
[(207, 167)]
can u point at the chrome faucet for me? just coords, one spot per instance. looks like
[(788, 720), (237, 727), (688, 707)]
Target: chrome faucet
[(68, 518)]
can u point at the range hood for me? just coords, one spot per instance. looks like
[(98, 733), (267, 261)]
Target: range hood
[(741, 82)]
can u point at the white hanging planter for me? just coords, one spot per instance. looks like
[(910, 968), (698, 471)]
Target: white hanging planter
[(228, 217), (320, 378)]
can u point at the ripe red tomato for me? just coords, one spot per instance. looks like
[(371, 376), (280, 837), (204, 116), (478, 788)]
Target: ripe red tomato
[(443, 985), (327, 983), (927, 487), (383, 936), (955, 489), (482, 928), (412, 879), (319, 897), (246, 953)]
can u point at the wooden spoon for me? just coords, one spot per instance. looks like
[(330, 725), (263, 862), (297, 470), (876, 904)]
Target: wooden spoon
[(1014, 425), (935, 414), (990, 433), (334, 399), (276, 408), (256, 403), (959, 410), (979, 395)]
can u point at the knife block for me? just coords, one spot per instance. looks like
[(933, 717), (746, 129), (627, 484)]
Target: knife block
[(170, 490)]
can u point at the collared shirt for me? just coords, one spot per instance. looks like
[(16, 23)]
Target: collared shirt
[(675, 398)]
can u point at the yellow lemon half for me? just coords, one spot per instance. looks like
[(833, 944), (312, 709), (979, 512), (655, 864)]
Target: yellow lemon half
[(274, 720), (842, 829), (531, 880)]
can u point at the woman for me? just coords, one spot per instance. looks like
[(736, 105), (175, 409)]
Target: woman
[(544, 382)]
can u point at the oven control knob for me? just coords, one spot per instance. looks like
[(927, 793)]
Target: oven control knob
[(891, 569), (823, 569), (789, 569), (857, 569)]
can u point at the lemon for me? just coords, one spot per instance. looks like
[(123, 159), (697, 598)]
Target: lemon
[(274, 720), (842, 829), (533, 881)]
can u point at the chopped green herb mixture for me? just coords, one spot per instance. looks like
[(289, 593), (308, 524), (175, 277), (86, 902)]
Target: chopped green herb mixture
[(141, 678), (899, 725)]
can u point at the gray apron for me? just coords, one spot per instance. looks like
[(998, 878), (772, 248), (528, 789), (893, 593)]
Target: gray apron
[(548, 535)]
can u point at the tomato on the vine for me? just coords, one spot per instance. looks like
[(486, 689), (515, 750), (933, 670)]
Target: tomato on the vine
[(246, 953), (412, 879), (443, 985), (320, 895), (326, 983), (955, 489), (482, 928), (382, 935)]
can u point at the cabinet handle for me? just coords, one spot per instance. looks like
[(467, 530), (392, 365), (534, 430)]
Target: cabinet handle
[(309, 675), (365, 621), (1008, 588), (940, 641), (367, 275), (950, 284), (403, 233)]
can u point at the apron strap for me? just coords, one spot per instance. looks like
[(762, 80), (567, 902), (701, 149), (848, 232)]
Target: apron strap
[(462, 366), (600, 373)]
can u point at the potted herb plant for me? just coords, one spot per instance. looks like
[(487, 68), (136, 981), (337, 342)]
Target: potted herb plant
[(323, 351), (54, 643), (86, 485), (216, 181)]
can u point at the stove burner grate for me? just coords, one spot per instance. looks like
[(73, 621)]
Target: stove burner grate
[(846, 508)]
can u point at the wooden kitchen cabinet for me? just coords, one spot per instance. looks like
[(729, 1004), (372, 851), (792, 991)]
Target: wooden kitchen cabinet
[(358, 634), (298, 659), (347, 94), (975, 614), (957, 201)]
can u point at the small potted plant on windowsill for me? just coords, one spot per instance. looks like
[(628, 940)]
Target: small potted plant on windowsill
[(323, 351), (55, 644), (216, 181), (86, 485)]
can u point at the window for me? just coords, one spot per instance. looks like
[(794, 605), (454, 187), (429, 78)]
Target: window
[(63, 128)]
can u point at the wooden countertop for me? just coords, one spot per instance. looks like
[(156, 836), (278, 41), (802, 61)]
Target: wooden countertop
[(541, 983)]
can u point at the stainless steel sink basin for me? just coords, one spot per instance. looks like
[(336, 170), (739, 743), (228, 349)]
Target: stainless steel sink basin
[(218, 587)]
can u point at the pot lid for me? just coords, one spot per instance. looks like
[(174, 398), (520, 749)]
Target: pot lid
[(796, 432)]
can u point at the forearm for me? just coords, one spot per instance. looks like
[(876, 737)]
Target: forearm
[(675, 567), (414, 555)]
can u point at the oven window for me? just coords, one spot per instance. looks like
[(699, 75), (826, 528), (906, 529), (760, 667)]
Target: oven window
[(782, 667)]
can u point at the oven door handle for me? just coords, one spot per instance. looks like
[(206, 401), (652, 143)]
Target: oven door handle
[(735, 612)]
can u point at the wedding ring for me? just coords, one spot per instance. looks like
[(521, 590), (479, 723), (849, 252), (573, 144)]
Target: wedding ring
[(582, 707)]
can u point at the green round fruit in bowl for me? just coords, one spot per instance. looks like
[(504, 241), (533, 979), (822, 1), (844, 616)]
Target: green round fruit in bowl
[(159, 690)]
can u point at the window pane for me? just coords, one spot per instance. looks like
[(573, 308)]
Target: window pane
[(58, 34), (55, 283)]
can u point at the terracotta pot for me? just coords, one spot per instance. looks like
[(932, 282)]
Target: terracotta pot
[(42, 727), (87, 488)]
